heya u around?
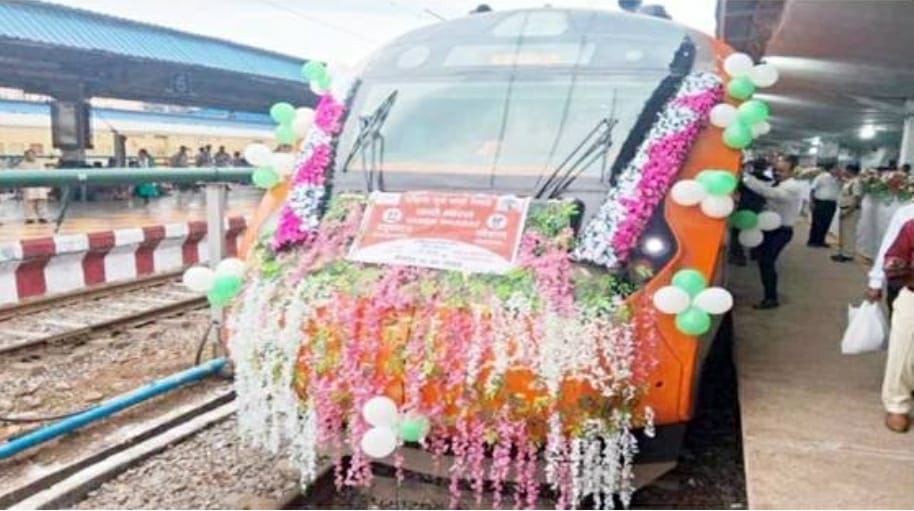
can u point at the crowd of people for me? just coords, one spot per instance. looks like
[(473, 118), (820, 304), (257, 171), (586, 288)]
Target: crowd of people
[(774, 186)]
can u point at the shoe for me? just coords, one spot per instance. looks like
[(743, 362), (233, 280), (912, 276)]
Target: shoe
[(42, 221), (29, 221), (898, 422), (840, 258), (766, 304)]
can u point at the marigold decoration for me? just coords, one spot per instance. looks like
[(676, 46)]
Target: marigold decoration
[(612, 234)]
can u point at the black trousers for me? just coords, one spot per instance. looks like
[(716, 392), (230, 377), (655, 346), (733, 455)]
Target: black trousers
[(768, 253), (822, 213)]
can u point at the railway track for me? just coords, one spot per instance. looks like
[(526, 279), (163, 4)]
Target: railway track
[(73, 316)]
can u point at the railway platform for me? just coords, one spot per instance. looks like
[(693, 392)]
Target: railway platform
[(812, 426)]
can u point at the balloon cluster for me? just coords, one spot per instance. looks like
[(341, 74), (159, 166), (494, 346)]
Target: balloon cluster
[(389, 427), (221, 285), (743, 123), (692, 301), (711, 189), (751, 225)]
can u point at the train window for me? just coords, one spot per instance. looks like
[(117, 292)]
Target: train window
[(413, 57)]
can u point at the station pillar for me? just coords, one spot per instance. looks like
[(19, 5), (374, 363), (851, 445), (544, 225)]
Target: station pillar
[(906, 152)]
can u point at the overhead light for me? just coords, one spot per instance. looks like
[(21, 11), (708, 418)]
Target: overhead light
[(816, 141), (813, 150), (867, 132)]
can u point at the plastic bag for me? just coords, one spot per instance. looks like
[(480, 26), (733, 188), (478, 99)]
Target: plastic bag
[(867, 329)]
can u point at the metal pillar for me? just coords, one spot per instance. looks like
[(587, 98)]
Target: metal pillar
[(906, 151), (215, 235)]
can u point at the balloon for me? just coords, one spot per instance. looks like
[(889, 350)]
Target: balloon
[(690, 281), (283, 163), (760, 129), (717, 206), (751, 238), (740, 88), (688, 192), (225, 287), (763, 75), (714, 300), (379, 442), (312, 70), (738, 64), (737, 135), (693, 321), (722, 115), (753, 111), (671, 300), (258, 155), (718, 182), (198, 278), (230, 266), (304, 118), (380, 411), (282, 112), (744, 219), (769, 220), (284, 135), (413, 427), (265, 177)]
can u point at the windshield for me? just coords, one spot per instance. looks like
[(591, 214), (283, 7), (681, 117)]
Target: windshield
[(482, 132)]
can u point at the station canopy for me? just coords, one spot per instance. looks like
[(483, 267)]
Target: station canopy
[(75, 54), (844, 64)]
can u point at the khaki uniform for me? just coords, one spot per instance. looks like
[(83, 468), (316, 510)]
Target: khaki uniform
[(34, 199), (849, 216)]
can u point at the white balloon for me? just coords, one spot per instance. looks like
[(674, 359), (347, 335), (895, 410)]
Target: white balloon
[(258, 155), (317, 89), (763, 75), (672, 300), (379, 442), (380, 411), (714, 300), (717, 206), (284, 163), (738, 64), (688, 192), (769, 220), (723, 115), (304, 118), (230, 266), (751, 238), (198, 278), (761, 128)]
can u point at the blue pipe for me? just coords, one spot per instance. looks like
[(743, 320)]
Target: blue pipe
[(110, 407)]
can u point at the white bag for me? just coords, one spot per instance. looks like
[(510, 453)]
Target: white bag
[(867, 329)]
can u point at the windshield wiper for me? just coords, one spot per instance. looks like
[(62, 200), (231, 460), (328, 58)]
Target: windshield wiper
[(370, 134), (594, 146)]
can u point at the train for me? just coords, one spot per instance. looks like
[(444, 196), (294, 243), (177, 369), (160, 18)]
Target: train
[(377, 312)]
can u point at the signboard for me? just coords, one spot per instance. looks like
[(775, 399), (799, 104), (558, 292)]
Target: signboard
[(473, 233)]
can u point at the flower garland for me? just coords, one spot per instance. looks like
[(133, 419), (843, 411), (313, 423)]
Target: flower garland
[(888, 185), (544, 356), (613, 232), (299, 219)]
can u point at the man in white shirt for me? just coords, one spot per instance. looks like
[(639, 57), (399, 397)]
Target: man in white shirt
[(876, 276), (784, 197), (826, 188)]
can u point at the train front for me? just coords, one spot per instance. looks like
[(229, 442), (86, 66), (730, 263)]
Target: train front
[(467, 256)]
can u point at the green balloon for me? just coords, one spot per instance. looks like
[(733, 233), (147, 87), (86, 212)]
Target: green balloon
[(753, 112), (265, 177), (693, 321), (282, 112), (413, 430), (285, 134), (324, 82), (312, 70), (744, 219), (737, 135), (717, 182), (225, 287), (691, 281), (740, 88)]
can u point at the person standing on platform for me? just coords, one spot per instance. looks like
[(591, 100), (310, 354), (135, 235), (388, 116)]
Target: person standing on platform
[(180, 159), (203, 159), (34, 199), (785, 197), (146, 191), (898, 382), (222, 158), (848, 214), (877, 277), (238, 160), (826, 189)]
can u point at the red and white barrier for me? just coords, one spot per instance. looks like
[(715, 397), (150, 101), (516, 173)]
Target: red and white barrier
[(42, 266)]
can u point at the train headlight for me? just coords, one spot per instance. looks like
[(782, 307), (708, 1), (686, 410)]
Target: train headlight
[(654, 246)]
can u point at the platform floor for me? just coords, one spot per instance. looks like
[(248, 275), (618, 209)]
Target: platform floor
[(96, 216), (811, 417)]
